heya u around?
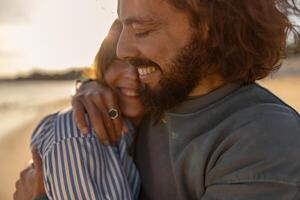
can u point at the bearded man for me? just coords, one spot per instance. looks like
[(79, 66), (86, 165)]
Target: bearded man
[(211, 132)]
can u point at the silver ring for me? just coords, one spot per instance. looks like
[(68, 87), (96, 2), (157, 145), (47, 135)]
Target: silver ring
[(113, 113)]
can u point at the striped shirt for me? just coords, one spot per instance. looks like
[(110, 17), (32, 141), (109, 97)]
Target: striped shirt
[(80, 167)]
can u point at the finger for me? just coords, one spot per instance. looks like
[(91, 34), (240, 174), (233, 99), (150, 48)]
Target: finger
[(18, 184), (79, 114), (111, 102), (15, 195), (37, 161), (124, 127), (96, 119), (38, 166), (107, 122), (24, 173)]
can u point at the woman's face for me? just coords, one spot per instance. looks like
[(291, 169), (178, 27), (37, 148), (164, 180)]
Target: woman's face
[(123, 78)]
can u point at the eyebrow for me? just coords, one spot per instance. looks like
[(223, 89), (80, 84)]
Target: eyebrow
[(138, 20)]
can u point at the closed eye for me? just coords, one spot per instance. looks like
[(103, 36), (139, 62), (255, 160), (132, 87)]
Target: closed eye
[(142, 34)]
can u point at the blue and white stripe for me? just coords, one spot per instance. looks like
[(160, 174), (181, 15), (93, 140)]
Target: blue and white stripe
[(80, 167)]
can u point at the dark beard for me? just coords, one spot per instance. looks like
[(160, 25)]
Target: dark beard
[(183, 76)]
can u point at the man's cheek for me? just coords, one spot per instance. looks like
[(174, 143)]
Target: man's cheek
[(152, 49)]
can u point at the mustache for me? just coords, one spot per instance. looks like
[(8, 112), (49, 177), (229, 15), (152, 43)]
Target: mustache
[(138, 62)]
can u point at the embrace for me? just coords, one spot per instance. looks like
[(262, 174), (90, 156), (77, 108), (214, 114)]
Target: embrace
[(175, 111)]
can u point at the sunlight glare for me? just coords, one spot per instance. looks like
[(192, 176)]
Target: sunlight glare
[(67, 35)]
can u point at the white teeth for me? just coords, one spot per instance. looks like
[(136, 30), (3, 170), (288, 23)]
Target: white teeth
[(146, 70), (130, 93)]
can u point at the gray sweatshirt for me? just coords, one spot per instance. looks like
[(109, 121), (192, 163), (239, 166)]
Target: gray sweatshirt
[(243, 144)]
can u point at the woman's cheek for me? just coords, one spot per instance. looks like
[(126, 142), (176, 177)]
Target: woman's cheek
[(111, 77)]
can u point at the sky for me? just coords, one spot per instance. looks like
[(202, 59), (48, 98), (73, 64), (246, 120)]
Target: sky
[(51, 34)]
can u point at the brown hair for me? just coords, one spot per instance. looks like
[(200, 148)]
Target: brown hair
[(246, 38), (107, 51)]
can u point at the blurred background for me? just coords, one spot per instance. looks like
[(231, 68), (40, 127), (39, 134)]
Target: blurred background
[(45, 46)]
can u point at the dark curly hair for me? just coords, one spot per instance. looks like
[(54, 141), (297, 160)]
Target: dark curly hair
[(246, 38)]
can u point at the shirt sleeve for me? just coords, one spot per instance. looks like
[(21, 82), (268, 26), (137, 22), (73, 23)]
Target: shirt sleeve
[(42, 135), (80, 167), (263, 164)]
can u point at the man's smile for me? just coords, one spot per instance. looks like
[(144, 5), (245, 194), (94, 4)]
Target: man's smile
[(146, 70), (149, 75)]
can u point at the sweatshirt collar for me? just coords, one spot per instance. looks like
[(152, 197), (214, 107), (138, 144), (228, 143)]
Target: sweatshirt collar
[(193, 104)]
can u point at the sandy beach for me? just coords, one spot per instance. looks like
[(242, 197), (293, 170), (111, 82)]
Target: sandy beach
[(15, 152)]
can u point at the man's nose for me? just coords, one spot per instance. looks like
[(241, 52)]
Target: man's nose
[(126, 48)]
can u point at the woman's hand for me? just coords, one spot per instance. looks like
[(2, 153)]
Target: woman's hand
[(97, 99), (31, 182)]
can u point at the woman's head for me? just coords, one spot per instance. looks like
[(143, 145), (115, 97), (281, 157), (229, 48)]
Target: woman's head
[(107, 52), (118, 74)]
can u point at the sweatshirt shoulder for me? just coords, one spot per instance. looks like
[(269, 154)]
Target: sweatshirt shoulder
[(264, 147), (258, 105), (269, 113)]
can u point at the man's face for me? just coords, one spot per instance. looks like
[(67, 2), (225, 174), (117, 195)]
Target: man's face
[(158, 39)]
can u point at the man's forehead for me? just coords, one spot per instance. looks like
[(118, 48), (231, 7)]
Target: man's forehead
[(139, 11)]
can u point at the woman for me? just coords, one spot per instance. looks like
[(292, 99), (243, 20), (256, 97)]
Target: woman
[(78, 167)]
